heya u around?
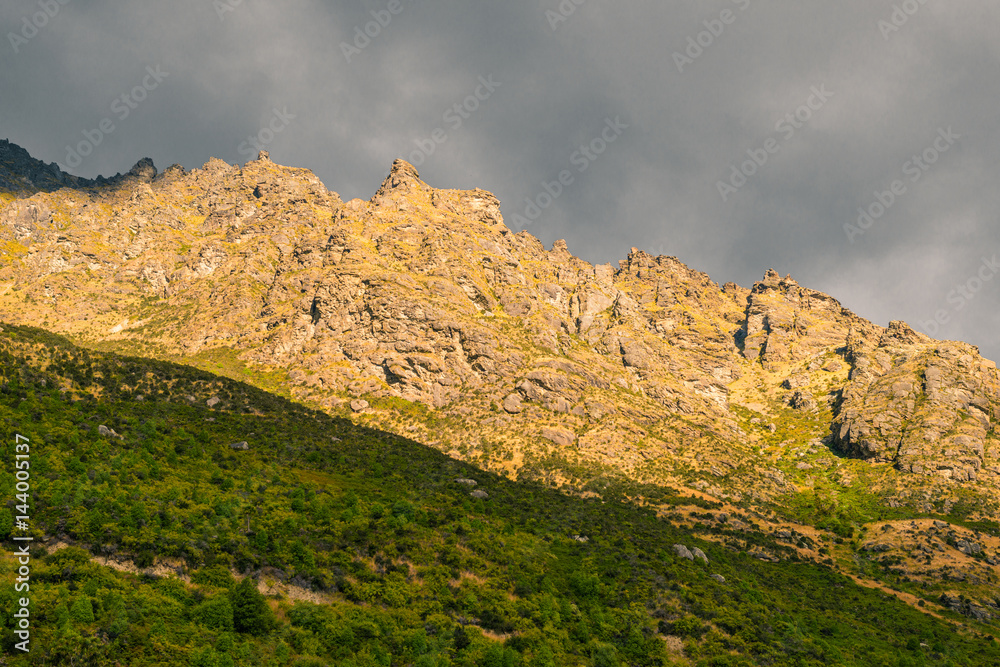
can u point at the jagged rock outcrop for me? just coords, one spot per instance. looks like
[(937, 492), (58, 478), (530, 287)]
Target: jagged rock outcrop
[(423, 294), (786, 322), (930, 407), (21, 173)]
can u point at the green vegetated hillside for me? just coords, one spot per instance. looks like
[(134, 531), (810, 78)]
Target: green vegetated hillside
[(154, 538)]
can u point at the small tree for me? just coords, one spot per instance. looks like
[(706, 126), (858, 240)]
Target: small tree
[(250, 611), (462, 640), (120, 625)]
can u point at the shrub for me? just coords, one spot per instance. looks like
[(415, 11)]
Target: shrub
[(604, 655), (250, 611), (82, 610), (215, 613), (217, 575)]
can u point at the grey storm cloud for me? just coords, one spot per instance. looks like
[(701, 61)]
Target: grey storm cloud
[(686, 128)]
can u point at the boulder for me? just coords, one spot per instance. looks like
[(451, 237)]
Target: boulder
[(558, 404), (359, 404), (531, 391), (803, 402), (969, 548), (243, 445), (683, 552), (512, 404), (559, 436), (467, 482), (719, 578), (107, 432), (698, 553), (212, 402), (796, 381), (479, 493)]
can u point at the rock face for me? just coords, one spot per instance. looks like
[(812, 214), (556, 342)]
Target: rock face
[(930, 407), (523, 356), (965, 607), (786, 322), (19, 172)]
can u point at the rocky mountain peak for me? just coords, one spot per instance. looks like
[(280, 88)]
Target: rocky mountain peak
[(402, 171), (403, 177), (560, 251), (772, 280), (144, 170), (402, 188), (19, 172), (899, 332)]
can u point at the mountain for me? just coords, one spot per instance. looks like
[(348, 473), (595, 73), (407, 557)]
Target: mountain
[(648, 369), (419, 313)]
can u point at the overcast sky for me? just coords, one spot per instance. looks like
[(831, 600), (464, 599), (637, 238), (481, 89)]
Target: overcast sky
[(649, 110)]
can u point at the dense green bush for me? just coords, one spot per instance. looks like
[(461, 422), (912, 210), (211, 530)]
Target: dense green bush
[(250, 611), (215, 613)]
